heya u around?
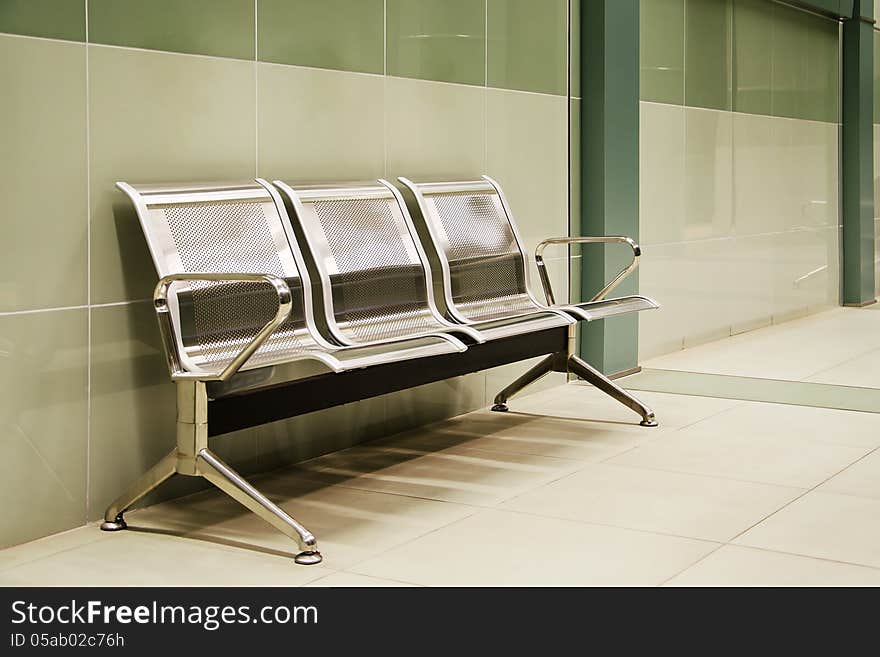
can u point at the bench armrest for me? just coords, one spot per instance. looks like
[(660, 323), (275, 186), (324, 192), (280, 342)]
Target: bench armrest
[(545, 278), (160, 304)]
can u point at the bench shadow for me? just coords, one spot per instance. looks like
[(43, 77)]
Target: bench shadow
[(287, 484)]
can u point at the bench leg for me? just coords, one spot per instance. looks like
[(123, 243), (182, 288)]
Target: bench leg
[(231, 483), (537, 372), (113, 517), (585, 371)]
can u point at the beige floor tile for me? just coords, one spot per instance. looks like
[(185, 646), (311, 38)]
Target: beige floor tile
[(496, 548), (457, 474), (823, 425), (863, 371), (581, 400), (134, 558), (784, 460), (48, 546), (519, 433), (739, 566), (668, 502), (350, 525), (862, 478), (346, 579), (823, 525)]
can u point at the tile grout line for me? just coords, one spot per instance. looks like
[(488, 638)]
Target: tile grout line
[(770, 515), (385, 83), (86, 306), (256, 94), (485, 97), (804, 556), (256, 452), (807, 492), (88, 482), (568, 168)]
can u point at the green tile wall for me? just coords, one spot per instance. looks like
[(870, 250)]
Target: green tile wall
[(44, 146), (528, 45), (752, 56), (53, 19), (442, 40), (661, 50), (294, 89), (708, 53), (224, 28), (340, 34), (805, 65)]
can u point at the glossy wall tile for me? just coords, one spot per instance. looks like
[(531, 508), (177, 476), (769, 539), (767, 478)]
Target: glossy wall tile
[(319, 124), (434, 130), (43, 249), (528, 45), (346, 35), (43, 423), (708, 53), (224, 28), (661, 50), (52, 19), (443, 40), (155, 117)]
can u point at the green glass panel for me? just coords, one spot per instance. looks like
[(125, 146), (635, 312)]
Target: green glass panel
[(339, 34), (661, 56), (54, 19), (224, 28), (575, 48), (799, 393), (752, 52), (528, 45), (442, 40), (805, 65), (876, 77), (708, 53)]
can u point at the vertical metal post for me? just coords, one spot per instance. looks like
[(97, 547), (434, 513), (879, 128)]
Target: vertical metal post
[(609, 166), (857, 154), (192, 425)]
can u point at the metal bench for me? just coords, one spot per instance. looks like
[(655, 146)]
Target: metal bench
[(483, 261), (245, 296)]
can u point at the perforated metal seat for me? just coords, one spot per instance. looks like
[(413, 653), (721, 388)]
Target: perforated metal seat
[(374, 275), (226, 260), (483, 259)]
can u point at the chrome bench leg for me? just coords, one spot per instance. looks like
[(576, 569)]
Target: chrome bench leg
[(535, 373), (113, 517), (192, 458), (231, 483), (585, 371)]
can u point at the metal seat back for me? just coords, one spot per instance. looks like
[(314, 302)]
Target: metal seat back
[(224, 228), (374, 274), (479, 249)]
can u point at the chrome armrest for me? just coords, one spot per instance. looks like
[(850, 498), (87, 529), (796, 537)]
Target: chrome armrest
[(160, 304), (545, 278)]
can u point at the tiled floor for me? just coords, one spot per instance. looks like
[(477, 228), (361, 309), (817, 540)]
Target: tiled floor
[(566, 489)]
